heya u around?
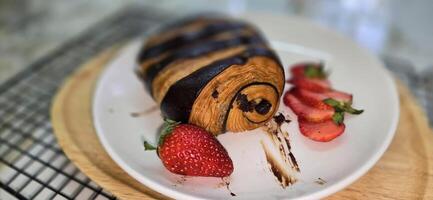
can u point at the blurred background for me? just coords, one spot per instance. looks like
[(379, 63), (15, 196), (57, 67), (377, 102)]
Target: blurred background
[(398, 31), (394, 28)]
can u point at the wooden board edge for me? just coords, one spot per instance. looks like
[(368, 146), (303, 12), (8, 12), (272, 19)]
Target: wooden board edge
[(425, 133)]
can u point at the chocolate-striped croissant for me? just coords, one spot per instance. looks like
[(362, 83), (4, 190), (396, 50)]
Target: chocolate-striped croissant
[(214, 72)]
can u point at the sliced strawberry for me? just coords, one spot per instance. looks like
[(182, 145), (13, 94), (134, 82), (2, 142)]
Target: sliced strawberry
[(339, 96), (315, 99), (299, 69), (315, 85), (306, 112), (321, 132)]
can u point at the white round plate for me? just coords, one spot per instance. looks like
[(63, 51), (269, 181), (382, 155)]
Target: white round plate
[(339, 162)]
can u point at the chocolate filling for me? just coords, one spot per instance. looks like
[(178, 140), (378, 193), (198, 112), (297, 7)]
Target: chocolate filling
[(244, 104), (179, 99), (263, 107), (215, 94)]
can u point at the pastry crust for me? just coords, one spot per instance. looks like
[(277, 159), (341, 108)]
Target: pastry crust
[(217, 73)]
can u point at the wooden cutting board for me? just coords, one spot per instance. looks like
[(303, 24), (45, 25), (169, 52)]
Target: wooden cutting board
[(404, 172)]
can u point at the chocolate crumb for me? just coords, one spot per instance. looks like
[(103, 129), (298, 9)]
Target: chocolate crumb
[(181, 180), (279, 119), (320, 181), (135, 114), (215, 94), (227, 183), (291, 156)]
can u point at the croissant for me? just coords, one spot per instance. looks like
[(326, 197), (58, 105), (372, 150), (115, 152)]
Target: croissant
[(214, 72)]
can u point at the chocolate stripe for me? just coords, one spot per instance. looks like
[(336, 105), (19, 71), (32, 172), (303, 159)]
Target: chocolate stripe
[(196, 51), (186, 38), (178, 101)]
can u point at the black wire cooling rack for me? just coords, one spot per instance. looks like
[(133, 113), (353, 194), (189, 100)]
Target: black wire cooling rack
[(32, 166)]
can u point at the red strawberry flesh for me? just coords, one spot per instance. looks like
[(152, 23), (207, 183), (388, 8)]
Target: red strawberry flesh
[(321, 132), (190, 150), (298, 70), (339, 96), (315, 85), (315, 99), (306, 112)]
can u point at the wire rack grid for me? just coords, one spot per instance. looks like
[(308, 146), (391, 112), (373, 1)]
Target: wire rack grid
[(32, 166)]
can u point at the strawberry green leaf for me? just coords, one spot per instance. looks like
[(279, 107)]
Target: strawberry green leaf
[(148, 146), (334, 103), (167, 128), (314, 71), (338, 118), (340, 108), (353, 111)]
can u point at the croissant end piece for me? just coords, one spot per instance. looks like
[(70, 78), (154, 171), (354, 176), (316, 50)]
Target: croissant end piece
[(214, 72)]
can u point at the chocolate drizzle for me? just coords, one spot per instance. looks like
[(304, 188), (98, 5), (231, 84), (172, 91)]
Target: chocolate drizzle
[(281, 141), (179, 99), (291, 156), (195, 51), (320, 181), (283, 177), (279, 119)]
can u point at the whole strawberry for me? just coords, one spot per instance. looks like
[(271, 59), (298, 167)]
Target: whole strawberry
[(190, 150)]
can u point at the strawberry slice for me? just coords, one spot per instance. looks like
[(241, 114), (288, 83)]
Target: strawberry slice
[(339, 96), (315, 85), (315, 99), (321, 132), (306, 112), (308, 69)]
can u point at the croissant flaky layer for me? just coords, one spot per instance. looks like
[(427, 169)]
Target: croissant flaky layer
[(214, 72)]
